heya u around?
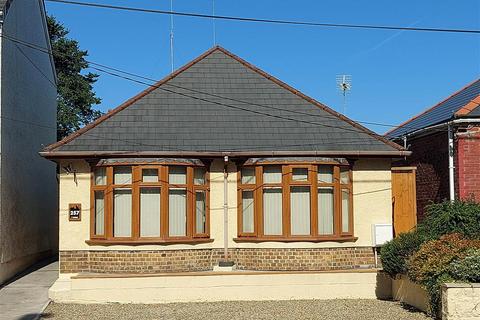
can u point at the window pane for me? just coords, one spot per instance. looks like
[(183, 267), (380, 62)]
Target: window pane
[(150, 212), (200, 212), (177, 175), (177, 212), (149, 175), (122, 175), (272, 174), (325, 174), (300, 210), (325, 211), (300, 174), (248, 176), (199, 176), (99, 213), (100, 176), (345, 210), (272, 211), (122, 213), (344, 175), (247, 212)]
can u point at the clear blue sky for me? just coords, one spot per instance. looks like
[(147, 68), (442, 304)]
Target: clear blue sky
[(395, 75)]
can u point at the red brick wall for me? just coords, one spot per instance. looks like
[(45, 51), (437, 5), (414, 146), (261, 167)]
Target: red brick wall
[(430, 156), (156, 261), (468, 163)]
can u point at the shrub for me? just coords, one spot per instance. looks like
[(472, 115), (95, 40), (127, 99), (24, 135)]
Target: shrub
[(451, 217), (431, 266), (395, 253), (467, 269)]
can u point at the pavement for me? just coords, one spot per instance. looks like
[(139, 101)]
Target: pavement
[(25, 296)]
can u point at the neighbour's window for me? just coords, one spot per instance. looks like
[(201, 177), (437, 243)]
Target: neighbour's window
[(295, 202), (149, 203)]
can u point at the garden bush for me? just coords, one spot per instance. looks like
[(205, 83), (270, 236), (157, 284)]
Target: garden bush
[(451, 217), (461, 217), (394, 254), (431, 265), (468, 268)]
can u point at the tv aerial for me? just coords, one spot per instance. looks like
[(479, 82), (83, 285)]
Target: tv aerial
[(344, 84)]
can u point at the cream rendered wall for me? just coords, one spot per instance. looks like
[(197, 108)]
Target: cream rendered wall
[(371, 193)]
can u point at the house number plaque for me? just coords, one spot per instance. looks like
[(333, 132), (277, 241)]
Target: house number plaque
[(74, 212)]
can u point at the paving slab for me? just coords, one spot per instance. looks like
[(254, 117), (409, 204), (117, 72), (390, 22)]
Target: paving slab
[(25, 297)]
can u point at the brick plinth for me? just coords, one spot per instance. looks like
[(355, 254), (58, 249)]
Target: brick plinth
[(156, 261)]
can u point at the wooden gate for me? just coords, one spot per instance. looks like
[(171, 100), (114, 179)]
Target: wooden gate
[(404, 200)]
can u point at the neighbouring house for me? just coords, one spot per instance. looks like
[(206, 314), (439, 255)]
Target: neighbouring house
[(220, 157), (445, 145), (28, 188)]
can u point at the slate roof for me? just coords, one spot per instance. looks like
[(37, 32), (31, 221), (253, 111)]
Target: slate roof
[(220, 103), (462, 103)]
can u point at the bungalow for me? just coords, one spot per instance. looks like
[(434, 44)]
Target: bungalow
[(445, 141), (221, 163)]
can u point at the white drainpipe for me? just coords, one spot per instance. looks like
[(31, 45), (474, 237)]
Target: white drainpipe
[(225, 207), (451, 172)]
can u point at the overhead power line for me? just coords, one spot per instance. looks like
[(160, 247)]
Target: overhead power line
[(271, 21), (154, 85)]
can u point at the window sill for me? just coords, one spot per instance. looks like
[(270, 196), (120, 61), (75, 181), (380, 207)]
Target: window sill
[(102, 242), (297, 239)]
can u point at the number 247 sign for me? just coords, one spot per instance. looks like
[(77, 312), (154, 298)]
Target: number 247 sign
[(74, 212)]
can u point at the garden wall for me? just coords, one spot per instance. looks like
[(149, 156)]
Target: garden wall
[(406, 291), (461, 301)]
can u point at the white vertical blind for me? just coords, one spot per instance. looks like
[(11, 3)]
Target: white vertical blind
[(344, 175), (122, 175), (177, 212), (150, 175), (248, 175), (177, 175), (325, 174), (100, 176), (150, 212), (325, 211), (199, 176), (99, 213), (272, 174), (345, 210), (299, 174), (200, 212), (122, 213), (300, 210), (272, 211), (247, 211)]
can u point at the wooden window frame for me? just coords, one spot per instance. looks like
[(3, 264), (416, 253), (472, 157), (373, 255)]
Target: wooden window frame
[(287, 183), (163, 184)]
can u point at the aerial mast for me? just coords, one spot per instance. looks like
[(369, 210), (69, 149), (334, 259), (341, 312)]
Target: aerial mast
[(344, 84)]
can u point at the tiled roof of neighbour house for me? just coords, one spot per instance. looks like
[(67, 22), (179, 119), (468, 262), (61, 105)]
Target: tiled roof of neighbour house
[(220, 103), (475, 112), (462, 103)]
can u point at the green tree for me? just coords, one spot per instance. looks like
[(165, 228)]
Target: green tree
[(75, 97)]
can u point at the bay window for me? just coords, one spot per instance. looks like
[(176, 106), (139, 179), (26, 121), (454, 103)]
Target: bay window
[(149, 204), (296, 202)]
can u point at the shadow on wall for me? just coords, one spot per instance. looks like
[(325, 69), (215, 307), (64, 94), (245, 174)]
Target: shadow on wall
[(383, 288), (34, 316)]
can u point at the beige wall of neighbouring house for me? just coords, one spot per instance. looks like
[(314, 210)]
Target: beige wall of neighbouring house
[(371, 202)]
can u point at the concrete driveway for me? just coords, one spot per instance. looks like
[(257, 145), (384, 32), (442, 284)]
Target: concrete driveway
[(25, 297)]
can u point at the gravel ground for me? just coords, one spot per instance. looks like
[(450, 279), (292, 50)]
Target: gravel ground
[(265, 310)]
